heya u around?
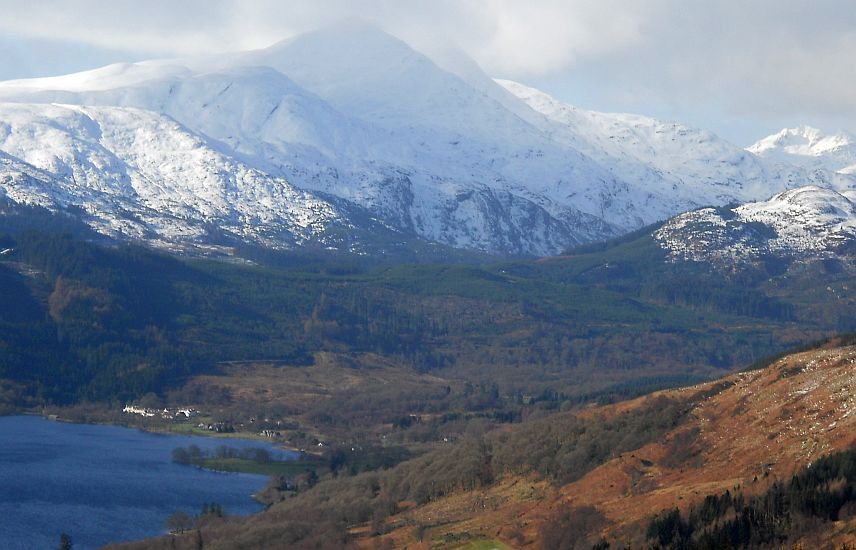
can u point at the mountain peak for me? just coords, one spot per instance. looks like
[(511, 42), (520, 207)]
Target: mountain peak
[(346, 48), (803, 141), (811, 204), (811, 148), (363, 71), (809, 194), (350, 38)]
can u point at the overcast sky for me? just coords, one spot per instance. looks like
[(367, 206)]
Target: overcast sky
[(742, 68)]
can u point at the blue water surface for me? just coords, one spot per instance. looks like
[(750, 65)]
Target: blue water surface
[(104, 484)]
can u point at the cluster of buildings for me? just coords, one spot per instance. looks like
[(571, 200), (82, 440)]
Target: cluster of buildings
[(168, 414), (218, 427)]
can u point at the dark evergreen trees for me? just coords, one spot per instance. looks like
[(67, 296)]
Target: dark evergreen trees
[(817, 493)]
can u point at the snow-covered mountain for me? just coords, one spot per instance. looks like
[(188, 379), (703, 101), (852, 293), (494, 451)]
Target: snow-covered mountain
[(280, 145), (811, 148), (808, 222)]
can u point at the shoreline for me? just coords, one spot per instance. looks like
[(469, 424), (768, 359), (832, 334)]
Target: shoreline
[(55, 416), (294, 463)]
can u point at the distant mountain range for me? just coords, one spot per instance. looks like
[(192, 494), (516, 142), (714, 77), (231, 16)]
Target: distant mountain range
[(333, 137)]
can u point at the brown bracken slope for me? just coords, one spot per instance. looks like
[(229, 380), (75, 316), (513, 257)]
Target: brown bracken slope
[(748, 430)]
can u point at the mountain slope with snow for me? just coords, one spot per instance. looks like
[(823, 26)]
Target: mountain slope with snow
[(690, 164), (141, 175), (354, 114), (808, 222)]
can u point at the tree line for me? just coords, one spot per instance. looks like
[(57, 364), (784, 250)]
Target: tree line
[(821, 493)]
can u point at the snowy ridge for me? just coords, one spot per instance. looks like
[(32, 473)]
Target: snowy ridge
[(811, 148), (692, 166), (141, 175), (278, 145), (800, 223)]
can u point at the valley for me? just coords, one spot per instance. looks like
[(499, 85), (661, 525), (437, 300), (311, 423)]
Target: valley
[(453, 311), (409, 377)]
